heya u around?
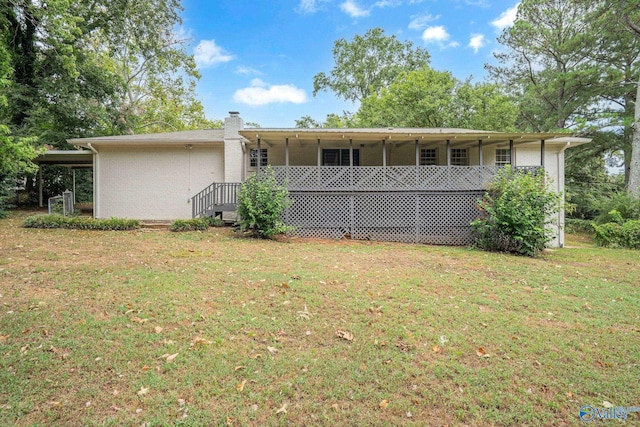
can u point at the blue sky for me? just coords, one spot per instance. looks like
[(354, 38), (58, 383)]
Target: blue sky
[(259, 57)]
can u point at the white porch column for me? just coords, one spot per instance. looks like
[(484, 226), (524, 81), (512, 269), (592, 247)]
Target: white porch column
[(417, 149), (448, 153), (384, 153), (286, 152), (259, 160), (40, 201), (319, 154), (542, 152), (480, 159), (512, 154)]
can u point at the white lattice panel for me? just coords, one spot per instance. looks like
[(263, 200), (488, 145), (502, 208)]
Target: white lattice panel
[(434, 218)]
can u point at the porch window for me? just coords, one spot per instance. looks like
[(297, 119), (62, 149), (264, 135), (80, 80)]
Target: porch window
[(339, 157), (428, 157), (503, 156), (459, 157), (253, 157)]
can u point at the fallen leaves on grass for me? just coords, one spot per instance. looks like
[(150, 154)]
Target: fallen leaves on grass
[(436, 349), (137, 319), (345, 335), (199, 342), (240, 386), (383, 405), (272, 350), (170, 357), (482, 353), (143, 391), (304, 314), (282, 409), (157, 329)]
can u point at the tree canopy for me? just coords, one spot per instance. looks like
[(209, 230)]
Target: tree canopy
[(368, 63)]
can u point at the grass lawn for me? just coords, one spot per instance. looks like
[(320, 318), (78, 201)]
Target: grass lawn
[(204, 328)]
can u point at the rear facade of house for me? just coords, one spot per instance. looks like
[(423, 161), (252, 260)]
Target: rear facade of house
[(407, 185)]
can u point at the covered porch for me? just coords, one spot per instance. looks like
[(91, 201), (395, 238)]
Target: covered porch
[(394, 159)]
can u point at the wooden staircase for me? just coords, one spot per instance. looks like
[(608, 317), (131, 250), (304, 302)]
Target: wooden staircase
[(215, 199)]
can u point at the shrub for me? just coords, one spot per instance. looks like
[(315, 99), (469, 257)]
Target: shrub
[(79, 222), (614, 234), (196, 224), (261, 202), (213, 221), (516, 212), (618, 207), (574, 225)]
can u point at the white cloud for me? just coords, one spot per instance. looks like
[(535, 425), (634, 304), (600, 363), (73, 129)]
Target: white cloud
[(261, 93), (419, 22), (246, 71), (477, 41), (387, 3), (307, 7), (208, 54), (352, 9), (506, 18), (438, 35), (435, 35)]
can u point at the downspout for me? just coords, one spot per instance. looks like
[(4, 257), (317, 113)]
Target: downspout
[(561, 222), (96, 203)]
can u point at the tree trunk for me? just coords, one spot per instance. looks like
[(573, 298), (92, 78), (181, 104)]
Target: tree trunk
[(634, 168)]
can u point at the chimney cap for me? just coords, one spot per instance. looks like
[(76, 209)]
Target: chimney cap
[(234, 113)]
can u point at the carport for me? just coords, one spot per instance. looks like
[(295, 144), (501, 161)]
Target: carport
[(73, 159)]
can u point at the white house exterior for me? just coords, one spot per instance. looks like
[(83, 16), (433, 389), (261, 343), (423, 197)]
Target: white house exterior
[(416, 185)]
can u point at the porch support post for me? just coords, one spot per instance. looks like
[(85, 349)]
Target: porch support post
[(259, 159), (448, 153), (542, 153), (319, 154), (286, 152), (417, 153), (74, 185), (40, 201), (384, 153), (512, 154), (351, 165), (480, 159)]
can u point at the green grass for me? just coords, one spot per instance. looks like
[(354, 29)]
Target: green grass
[(80, 312)]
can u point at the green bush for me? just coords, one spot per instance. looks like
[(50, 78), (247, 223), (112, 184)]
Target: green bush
[(213, 221), (618, 207), (196, 224), (516, 212), (574, 225), (79, 222), (613, 234), (261, 202)]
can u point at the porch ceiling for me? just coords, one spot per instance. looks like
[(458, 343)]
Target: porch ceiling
[(434, 136)]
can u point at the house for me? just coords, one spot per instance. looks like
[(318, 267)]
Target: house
[(410, 185)]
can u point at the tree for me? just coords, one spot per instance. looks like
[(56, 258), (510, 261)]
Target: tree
[(548, 63), (15, 153), (430, 98), (634, 169), (104, 67), (366, 64)]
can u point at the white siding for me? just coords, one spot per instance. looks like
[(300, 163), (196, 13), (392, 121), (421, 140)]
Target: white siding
[(155, 183)]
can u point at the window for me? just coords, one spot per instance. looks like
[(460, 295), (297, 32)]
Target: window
[(253, 157), (503, 156), (459, 157), (428, 156), (339, 157)]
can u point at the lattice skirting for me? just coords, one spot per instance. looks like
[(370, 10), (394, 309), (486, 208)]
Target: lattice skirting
[(424, 217)]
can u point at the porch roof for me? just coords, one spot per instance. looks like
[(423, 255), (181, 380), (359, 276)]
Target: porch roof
[(67, 158), (404, 135)]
